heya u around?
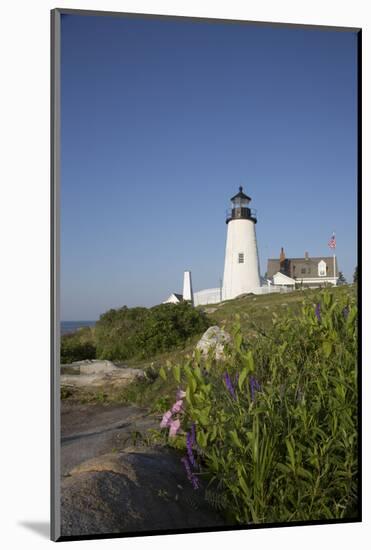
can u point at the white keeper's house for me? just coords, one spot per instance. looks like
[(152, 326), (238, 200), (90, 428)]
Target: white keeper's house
[(310, 272)]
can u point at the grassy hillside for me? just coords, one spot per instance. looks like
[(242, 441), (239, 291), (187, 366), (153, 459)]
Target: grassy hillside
[(255, 315), (271, 431), (258, 311)]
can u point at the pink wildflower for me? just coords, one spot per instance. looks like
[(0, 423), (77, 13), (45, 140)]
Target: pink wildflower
[(174, 427), (166, 419), (180, 394), (177, 407)]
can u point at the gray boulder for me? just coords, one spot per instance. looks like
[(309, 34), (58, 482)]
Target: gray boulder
[(132, 491), (216, 339)]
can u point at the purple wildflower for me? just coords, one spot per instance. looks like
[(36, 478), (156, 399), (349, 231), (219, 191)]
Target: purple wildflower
[(346, 312), (193, 433), (318, 312), (228, 383), (191, 457), (190, 475), (254, 387)]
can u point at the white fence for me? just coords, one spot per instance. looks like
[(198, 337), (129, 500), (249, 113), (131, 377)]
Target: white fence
[(213, 295), (270, 289)]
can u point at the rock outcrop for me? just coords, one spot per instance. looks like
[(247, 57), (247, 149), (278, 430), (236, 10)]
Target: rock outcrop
[(97, 373), (216, 339), (132, 491)]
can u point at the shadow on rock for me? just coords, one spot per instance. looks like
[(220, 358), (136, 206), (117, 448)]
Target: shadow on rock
[(131, 491)]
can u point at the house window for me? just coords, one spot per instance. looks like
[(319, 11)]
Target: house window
[(302, 270), (241, 258), (322, 268)]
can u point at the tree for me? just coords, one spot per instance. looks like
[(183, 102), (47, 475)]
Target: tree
[(342, 280), (355, 275)]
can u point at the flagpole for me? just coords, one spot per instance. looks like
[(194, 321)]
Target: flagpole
[(332, 245), (334, 270), (334, 261)]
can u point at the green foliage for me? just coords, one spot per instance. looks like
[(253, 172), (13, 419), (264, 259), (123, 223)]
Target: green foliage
[(78, 346), (276, 423), (141, 333), (116, 332)]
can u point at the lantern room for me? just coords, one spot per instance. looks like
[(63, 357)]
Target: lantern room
[(240, 208)]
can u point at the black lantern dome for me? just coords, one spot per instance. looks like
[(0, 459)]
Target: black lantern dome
[(240, 208)]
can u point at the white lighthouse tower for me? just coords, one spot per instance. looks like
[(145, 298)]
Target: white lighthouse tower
[(241, 266)]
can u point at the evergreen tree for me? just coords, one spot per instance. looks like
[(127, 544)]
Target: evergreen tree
[(342, 280)]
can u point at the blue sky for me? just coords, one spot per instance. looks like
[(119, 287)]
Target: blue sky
[(162, 120)]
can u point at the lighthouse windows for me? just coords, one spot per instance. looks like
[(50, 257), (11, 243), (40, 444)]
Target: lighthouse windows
[(241, 258)]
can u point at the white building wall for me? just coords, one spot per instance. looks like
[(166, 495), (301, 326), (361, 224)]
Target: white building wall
[(272, 289), (207, 296), (240, 278)]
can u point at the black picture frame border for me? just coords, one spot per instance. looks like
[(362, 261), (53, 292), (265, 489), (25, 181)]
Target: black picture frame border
[(55, 125)]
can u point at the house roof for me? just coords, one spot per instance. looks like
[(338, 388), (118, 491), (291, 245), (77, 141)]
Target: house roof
[(281, 278), (179, 298), (314, 259)]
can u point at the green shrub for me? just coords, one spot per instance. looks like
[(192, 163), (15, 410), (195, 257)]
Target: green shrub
[(272, 431), (169, 326), (78, 346), (139, 332), (117, 332)]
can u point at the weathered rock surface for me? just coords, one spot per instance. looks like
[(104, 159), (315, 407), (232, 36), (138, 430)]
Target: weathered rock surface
[(214, 338), (97, 373), (92, 429), (131, 491)]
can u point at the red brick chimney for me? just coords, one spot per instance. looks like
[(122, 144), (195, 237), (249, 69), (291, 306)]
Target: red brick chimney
[(282, 261)]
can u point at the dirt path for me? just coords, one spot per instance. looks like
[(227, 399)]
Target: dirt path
[(90, 430)]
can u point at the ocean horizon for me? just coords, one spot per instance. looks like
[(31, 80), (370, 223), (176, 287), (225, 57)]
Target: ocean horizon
[(72, 326)]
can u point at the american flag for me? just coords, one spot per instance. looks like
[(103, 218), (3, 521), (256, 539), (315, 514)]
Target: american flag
[(332, 241)]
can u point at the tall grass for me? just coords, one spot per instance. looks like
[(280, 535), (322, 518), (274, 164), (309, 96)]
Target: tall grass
[(275, 424)]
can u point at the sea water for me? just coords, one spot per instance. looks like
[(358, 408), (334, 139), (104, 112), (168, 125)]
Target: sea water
[(72, 326)]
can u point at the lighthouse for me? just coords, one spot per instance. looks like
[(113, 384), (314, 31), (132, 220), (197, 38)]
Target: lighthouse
[(241, 265)]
